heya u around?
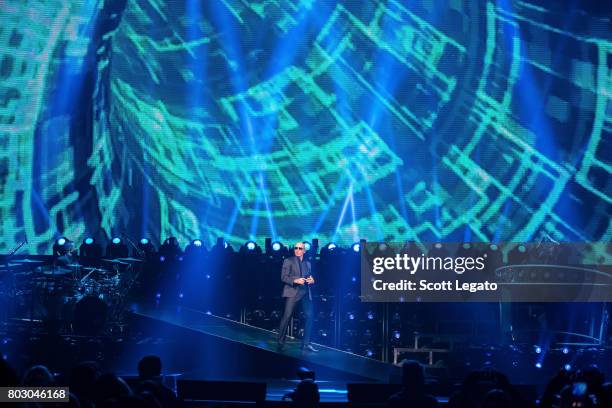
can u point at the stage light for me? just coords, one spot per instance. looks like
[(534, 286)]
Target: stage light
[(276, 246), (370, 315), (171, 249), (356, 247), (158, 295), (538, 349), (90, 251), (181, 295), (307, 246), (250, 245), (162, 258), (195, 249), (331, 246), (145, 247), (565, 350), (567, 367), (354, 279), (117, 249), (63, 246), (369, 353), (397, 334), (351, 316), (538, 365)]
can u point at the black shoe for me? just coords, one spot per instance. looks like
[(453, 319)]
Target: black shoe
[(280, 346), (310, 348)]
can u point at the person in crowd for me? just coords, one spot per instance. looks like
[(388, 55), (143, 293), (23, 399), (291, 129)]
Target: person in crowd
[(108, 386), (149, 373), (413, 392), (477, 384), (82, 379), (38, 376), (306, 394)]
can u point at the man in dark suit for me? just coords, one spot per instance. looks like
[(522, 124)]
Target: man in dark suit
[(296, 275)]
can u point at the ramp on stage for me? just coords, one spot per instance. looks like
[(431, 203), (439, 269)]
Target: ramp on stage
[(211, 346)]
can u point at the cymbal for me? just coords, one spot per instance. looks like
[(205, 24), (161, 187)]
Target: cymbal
[(57, 271), (130, 259), (10, 265), (92, 269), (116, 261), (27, 260)]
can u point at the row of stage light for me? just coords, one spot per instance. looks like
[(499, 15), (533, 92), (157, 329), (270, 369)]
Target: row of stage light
[(120, 246)]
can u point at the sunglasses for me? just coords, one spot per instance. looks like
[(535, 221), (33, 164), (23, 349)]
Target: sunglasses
[(300, 248)]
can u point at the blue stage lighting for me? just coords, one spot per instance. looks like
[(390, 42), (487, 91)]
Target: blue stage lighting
[(276, 246), (251, 245), (370, 315), (538, 365), (181, 295), (196, 243), (351, 316), (89, 241), (565, 350), (61, 241), (331, 246), (397, 334), (307, 245), (356, 247), (369, 353), (144, 241), (116, 240), (158, 295), (538, 349), (162, 258), (354, 279), (567, 367)]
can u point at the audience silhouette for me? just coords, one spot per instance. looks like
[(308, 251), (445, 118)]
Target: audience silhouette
[(486, 388)]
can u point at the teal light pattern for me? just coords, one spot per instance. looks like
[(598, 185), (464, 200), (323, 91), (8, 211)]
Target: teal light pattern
[(385, 120)]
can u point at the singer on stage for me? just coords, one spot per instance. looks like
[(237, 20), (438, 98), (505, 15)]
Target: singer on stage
[(297, 279)]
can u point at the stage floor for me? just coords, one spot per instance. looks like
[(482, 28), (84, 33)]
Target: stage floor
[(346, 366)]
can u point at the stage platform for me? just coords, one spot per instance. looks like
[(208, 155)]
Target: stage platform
[(245, 351)]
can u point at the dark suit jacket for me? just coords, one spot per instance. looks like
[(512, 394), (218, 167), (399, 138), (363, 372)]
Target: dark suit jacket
[(290, 272)]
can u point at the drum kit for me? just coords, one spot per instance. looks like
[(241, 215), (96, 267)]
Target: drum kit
[(68, 295)]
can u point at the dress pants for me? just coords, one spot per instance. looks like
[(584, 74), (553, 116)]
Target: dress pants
[(290, 302)]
